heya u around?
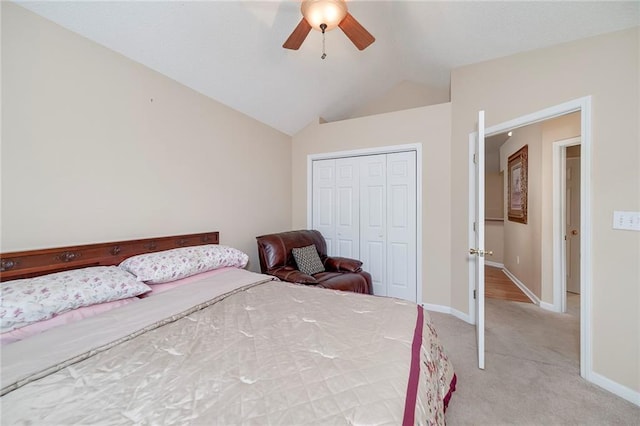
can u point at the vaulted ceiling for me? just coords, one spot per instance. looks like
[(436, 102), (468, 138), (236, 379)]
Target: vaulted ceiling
[(232, 51)]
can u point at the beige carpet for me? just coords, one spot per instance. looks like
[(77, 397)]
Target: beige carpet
[(531, 375)]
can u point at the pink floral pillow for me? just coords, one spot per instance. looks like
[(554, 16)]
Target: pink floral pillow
[(171, 265), (24, 302)]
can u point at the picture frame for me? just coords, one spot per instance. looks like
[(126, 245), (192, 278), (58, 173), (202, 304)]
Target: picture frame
[(517, 167)]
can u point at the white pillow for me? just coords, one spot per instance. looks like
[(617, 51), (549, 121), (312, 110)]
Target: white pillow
[(24, 302), (171, 265)]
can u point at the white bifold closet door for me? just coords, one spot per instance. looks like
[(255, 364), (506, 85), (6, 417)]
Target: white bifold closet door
[(367, 207), (335, 205), (388, 223)]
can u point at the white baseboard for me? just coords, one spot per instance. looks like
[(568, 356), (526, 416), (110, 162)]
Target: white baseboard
[(544, 305), (616, 388), (437, 308), (535, 299), (549, 306), (448, 310), (522, 287)]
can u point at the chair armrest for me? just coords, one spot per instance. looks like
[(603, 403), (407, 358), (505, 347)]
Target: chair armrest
[(292, 275), (342, 264)]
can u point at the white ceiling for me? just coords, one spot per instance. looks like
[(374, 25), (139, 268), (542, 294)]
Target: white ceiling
[(231, 50)]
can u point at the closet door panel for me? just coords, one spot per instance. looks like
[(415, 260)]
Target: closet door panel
[(399, 214), (323, 201), (401, 225), (373, 258), (373, 218), (347, 229), (398, 253)]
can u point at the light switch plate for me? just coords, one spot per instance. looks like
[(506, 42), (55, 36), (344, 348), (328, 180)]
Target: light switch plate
[(626, 220)]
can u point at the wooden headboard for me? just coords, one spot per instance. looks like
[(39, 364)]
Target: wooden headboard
[(32, 263)]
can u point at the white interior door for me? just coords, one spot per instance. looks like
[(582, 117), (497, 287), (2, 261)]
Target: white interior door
[(323, 208), (573, 224), (478, 250), (373, 219), (401, 225)]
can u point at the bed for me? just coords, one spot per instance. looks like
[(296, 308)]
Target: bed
[(224, 346)]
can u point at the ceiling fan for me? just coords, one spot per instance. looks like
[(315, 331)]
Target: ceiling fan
[(325, 15)]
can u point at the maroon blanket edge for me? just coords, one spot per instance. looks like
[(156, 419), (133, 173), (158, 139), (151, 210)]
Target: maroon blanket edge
[(414, 375), (414, 372), (452, 388)]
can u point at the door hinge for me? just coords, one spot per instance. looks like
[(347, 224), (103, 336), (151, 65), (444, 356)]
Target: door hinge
[(474, 227), (475, 158), (474, 294)]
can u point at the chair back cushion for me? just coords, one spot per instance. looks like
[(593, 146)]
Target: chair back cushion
[(274, 250)]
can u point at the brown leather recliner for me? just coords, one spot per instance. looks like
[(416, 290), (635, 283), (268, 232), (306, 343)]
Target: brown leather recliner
[(340, 273)]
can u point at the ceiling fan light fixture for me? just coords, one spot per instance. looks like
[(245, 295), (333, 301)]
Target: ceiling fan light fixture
[(325, 15), (328, 12)]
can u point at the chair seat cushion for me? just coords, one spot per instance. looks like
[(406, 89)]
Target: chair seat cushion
[(355, 282)]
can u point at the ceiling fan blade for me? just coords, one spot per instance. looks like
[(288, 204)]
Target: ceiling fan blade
[(298, 35), (356, 32)]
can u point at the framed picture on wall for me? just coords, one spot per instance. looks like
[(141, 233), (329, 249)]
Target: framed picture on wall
[(517, 201)]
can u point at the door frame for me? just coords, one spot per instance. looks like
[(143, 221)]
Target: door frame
[(417, 147), (583, 105), (559, 208)]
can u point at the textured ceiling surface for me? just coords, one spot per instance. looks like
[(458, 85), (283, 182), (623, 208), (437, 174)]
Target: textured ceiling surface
[(232, 51)]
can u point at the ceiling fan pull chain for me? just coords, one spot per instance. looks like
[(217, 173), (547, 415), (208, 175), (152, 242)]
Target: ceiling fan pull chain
[(323, 27)]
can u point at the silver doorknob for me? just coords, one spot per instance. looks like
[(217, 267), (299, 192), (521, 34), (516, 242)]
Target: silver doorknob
[(480, 252)]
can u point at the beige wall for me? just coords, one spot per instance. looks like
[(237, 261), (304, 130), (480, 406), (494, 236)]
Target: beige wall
[(605, 67), (494, 240), (493, 195), (522, 240), (429, 126), (494, 226), (561, 128), (96, 147), (404, 95)]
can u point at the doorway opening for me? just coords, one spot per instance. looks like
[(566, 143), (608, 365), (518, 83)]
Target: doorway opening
[(553, 297), (566, 225)]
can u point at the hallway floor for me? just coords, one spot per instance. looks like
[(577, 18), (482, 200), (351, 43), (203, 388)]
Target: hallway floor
[(498, 286)]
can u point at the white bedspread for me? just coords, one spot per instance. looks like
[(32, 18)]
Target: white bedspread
[(235, 348)]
